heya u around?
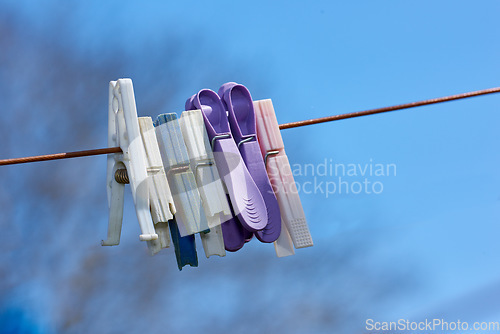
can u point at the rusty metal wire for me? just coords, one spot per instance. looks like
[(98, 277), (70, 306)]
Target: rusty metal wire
[(57, 156), (110, 150), (387, 109)]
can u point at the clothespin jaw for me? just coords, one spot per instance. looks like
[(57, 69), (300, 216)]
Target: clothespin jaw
[(213, 242), (281, 177), (123, 131), (184, 247)]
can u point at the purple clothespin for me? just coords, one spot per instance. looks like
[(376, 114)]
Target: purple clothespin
[(245, 197), (239, 105)]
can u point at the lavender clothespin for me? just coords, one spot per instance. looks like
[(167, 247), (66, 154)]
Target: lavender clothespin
[(239, 105), (245, 197)]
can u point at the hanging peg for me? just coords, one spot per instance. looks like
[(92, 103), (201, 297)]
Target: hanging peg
[(207, 177), (161, 200), (241, 116), (180, 175), (189, 218), (281, 177), (246, 199), (123, 131)]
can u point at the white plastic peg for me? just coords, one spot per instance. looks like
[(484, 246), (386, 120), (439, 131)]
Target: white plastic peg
[(190, 216), (160, 197), (203, 165), (207, 177), (123, 131)]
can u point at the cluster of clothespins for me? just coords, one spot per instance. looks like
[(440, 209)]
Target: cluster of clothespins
[(219, 171)]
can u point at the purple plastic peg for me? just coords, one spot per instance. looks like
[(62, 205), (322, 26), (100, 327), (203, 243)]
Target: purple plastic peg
[(239, 104), (244, 194)]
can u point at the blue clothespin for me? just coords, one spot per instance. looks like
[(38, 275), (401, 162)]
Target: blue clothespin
[(185, 247)]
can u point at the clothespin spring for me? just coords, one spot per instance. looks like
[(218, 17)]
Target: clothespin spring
[(121, 176)]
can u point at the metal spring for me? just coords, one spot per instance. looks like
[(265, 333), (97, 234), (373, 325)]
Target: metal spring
[(245, 140), (268, 154), (121, 176)]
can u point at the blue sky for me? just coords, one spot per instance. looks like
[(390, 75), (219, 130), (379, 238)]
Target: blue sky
[(427, 243)]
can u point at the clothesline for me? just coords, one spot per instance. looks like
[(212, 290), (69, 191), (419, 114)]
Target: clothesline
[(110, 150)]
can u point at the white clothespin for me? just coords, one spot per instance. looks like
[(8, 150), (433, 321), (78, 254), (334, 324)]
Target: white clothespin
[(190, 216), (281, 177), (123, 131), (207, 177), (160, 197)]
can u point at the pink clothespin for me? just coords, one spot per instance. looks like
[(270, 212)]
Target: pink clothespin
[(294, 227)]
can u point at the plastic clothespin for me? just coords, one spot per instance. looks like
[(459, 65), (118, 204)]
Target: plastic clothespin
[(212, 193), (280, 174), (185, 247), (241, 115), (123, 131), (161, 201), (180, 175), (245, 197), (190, 217)]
